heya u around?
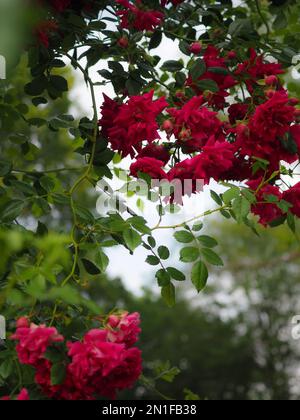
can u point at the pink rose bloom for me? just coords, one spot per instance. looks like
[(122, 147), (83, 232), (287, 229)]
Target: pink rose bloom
[(124, 328), (33, 341)]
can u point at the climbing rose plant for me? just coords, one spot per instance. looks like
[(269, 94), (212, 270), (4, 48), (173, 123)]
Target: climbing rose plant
[(222, 112)]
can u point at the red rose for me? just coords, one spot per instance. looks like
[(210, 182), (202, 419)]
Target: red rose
[(155, 151), (194, 124), (33, 342), (124, 328), (196, 48), (256, 69), (149, 166), (293, 197), (134, 16), (128, 125), (267, 211)]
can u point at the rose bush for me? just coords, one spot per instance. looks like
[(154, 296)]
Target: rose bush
[(219, 111)]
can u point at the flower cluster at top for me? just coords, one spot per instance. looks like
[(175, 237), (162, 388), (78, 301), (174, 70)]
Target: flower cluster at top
[(104, 362), (244, 140), (134, 15)]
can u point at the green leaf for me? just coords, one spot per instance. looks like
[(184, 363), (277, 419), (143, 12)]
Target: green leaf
[(155, 40), (58, 374), (90, 267), (132, 239), (83, 213), (5, 168), (6, 368), (291, 222), (47, 183), (199, 276), (163, 252), (189, 254), (152, 260), (163, 278), (241, 208), (230, 195), (198, 69), (207, 241), (211, 257), (168, 294), (59, 83), (102, 260), (176, 274), (184, 237), (172, 66), (152, 241), (12, 210), (216, 198), (208, 84), (197, 226)]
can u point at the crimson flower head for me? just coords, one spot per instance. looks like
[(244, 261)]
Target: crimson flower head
[(33, 341), (100, 367), (124, 328), (134, 16), (149, 166), (132, 122), (216, 158), (155, 151), (223, 79), (267, 211), (273, 118), (292, 196), (256, 69), (194, 124)]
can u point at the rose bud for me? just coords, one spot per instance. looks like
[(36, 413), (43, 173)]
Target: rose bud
[(168, 126), (123, 42), (231, 55), (196, 48), (271, 80)]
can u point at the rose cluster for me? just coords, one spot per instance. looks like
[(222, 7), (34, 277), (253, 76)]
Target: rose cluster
[(100, 365), (246, 140)]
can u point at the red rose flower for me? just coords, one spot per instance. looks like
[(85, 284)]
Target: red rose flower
[(267, 212), (149, 166), (273, 118), (256, 69), (101, 367), (292, 196), (132, 123), (124, 328), (133, 16), (33, 342), (224, 79), (155, 151), (237, 112), (194, 124), (215, 159)]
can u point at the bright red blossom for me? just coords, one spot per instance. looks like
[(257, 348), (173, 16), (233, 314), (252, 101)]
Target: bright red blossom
[(292, 196), (194, 124), (268, 212), (33, 342), (149, 166), (132, 123), (124, 328), (133, 16), (103, 363)]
